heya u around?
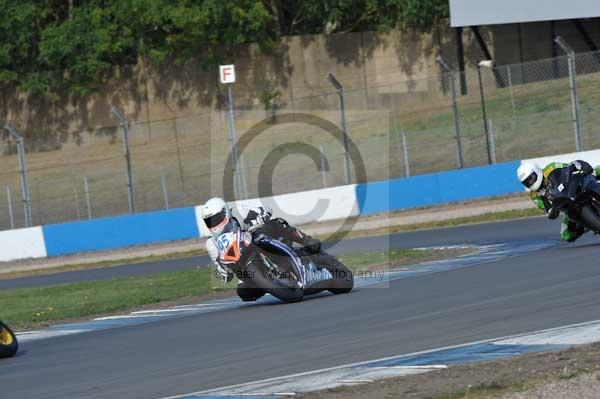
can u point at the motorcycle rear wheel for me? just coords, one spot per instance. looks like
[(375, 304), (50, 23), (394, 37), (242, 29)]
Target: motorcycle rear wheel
[(590, 217), (8, 341)]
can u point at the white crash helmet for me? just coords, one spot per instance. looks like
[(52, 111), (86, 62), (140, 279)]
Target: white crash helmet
[(530, 175), (216, 215)]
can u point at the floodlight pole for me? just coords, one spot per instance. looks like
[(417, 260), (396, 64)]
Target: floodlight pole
[(340, 90), (23, 172), (450, 72), (125, 125), (573, 86)]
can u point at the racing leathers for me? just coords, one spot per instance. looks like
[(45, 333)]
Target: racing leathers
[(569, 230)]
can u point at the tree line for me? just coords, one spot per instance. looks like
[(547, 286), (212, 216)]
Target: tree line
[(49, 47)]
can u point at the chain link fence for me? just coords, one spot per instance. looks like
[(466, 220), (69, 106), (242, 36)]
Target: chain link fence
[(400, 129)]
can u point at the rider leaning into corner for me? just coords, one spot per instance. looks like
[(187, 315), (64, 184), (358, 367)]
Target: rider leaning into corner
[(539, 181), (264, 228)]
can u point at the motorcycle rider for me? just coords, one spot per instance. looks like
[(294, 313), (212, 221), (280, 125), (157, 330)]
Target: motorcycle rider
[(539, 181), (218, 218)]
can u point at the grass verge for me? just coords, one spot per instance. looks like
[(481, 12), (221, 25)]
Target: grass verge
[(570, 373), (101, 264), (33, 307), (28, 308)]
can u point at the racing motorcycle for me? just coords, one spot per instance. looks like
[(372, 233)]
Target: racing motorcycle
[(578, 196), (265, 265), (8, 341)]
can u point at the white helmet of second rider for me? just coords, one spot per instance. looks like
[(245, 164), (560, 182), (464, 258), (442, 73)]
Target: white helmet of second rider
[(216, 215), (530, 175)]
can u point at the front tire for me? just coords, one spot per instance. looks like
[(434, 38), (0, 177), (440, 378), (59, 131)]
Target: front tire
[(343, 280), (591, 218), (8, 341), (281, 289)]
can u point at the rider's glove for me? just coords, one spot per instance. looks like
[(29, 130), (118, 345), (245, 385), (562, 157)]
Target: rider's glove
[(581, 167), (223, 274), (258, 217), (262, 218), (553, 213)]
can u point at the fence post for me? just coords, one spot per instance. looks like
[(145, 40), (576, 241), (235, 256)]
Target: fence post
[(125, 125), (22, 170), (324, 166), (450, 73), (405, 149), (340, 90), (11, 216), (88, 201), (492, 141), (573, 87), (163, 182)]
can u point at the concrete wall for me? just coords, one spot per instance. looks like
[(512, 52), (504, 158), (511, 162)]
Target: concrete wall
[(592, 157), (22, 244)]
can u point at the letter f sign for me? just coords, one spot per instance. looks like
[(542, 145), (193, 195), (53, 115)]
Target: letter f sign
[(227, 73)]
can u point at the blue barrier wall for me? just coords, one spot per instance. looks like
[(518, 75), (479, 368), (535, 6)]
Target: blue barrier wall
[(120, 231), (375, 197), (438, 188)]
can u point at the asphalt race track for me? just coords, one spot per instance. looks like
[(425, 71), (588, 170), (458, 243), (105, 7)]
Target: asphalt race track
[(540, 290)]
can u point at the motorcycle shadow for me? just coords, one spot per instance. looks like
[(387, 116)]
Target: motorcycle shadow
[(272, 301), (574, 246), (20, 353)]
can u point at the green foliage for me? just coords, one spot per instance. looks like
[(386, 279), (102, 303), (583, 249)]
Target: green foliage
[(85, 46), (183, 29), (423, 14), (47, 46), (329, 16)]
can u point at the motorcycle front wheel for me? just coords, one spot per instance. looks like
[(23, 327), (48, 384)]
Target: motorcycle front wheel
[(8, 341), (591, 218), (343, 281)]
